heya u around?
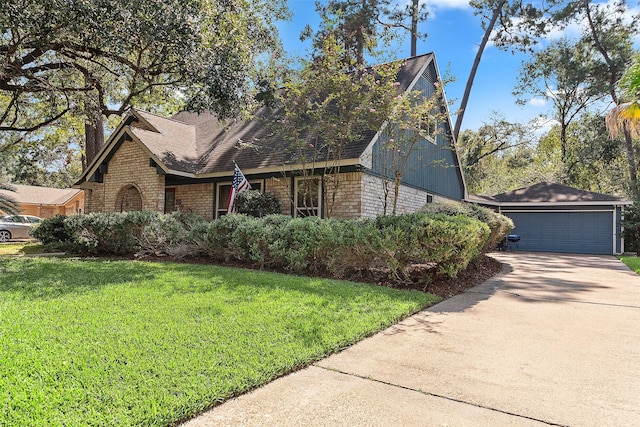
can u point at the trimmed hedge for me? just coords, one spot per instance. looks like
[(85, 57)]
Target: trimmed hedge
[(339, 247), (499, 224)]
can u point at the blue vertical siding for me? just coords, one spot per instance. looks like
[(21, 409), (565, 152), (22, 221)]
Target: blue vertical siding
[(431, 167)]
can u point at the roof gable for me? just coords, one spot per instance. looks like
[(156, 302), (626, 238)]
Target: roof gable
[(198, 144), (172, 142)]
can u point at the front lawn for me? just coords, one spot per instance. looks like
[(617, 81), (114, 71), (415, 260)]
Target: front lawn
[(20, 248), (632, 261), (98, 342)]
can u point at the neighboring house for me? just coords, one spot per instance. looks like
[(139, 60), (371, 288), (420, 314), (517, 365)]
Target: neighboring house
[(551, 217), (186, 163), (45, 202)]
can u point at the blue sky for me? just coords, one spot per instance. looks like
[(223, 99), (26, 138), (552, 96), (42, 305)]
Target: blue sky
[(454, 33)]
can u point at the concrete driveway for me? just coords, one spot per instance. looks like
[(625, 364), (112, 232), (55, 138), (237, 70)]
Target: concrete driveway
[(552, 340)]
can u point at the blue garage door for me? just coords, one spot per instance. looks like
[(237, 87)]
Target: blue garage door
[(569, 232)]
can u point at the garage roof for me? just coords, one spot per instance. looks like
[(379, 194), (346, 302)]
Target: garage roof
[(549, 192)]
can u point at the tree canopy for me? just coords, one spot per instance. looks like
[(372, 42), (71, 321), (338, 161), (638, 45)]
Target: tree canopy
[(100, 57)]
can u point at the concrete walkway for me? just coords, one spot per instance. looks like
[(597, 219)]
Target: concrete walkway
[(552, 340)]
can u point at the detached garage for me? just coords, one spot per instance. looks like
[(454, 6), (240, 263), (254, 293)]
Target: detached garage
[(551, 217)]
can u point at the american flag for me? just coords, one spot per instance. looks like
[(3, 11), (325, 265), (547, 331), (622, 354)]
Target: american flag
[(238, 184)]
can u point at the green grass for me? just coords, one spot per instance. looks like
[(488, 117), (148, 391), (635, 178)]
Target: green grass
[(633, 262), (20, 248), (118, 343)]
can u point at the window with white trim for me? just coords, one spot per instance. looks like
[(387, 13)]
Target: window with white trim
[(307, 198), (222, 195)]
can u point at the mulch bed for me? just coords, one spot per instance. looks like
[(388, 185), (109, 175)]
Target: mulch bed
[(482, 269)]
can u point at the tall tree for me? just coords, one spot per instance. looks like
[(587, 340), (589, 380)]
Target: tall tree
[(49, 157), (362, 26), (98, 58), (561, 73), (351, 23), (489, 155), (509, 24), (323, 109), (594, 161), (408, 17), (493, 138), (609, 31)]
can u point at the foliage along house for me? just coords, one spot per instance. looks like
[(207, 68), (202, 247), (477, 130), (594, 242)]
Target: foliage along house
[(186, 163)]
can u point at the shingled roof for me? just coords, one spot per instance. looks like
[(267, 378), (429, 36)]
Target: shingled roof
[(35, 195), (201, 145), (549, 192)]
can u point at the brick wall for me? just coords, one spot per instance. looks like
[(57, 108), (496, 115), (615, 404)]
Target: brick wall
[(347, 203), (281, 188), (93, 197), (348, 200), (359, 194), (196, 199), (128, 166), (409, 199)]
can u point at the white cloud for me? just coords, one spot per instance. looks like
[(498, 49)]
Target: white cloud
[(574, 29), (537, 102), (449, 4), (433, 7), (542, 124)]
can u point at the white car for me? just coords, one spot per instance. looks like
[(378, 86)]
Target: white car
[(16, 226)]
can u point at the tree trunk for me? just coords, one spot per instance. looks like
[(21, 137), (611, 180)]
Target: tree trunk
[(396, 191), (631, 162), (414, 28), (93, 139), (474, 68)]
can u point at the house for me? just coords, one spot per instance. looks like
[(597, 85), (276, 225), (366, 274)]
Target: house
[(46, 202), (186, 162), (551, 217)]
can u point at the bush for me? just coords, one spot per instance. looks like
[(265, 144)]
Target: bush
[(257, 204), (166, 235), (52, 231), (109, 233), (221, 243), (450, 242), (631, 230), (499, 224), (300, 245), (358, 247)]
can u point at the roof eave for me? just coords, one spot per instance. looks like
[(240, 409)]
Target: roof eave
[(568, 203), (107, 150), (273, 169)]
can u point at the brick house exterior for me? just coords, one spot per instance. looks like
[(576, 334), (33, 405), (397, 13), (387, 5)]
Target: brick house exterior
[(186, 163)]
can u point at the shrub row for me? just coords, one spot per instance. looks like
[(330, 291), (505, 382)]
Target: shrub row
[(499, 225), (300, 245)]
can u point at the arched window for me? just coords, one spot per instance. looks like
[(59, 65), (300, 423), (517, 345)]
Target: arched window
[(129, 199)]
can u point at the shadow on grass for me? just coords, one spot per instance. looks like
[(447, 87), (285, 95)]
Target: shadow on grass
[(35, 278), (40, 278)]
